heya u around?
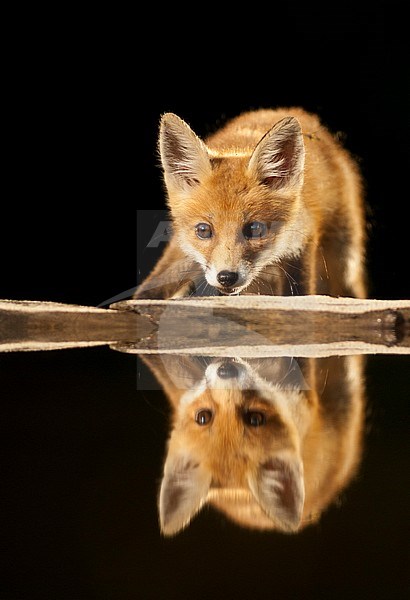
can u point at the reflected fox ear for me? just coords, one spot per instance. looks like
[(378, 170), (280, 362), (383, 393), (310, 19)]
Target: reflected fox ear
[(184, 156), (279, 489), (278, 159), (184, 489)]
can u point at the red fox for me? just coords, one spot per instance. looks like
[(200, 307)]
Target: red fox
[(270, 204), (268, 442)]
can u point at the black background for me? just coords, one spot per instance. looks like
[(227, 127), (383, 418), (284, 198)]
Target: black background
[(80, 517), (83, 121)]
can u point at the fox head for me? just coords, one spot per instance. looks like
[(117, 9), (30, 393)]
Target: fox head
[(234, 442), (256, 440), (235, 211)]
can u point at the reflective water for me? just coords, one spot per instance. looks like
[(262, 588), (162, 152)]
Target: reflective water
[(269, 477), (270, 442)]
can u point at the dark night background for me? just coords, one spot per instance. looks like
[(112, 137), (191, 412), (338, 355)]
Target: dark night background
[(79, 520), (83, 132)]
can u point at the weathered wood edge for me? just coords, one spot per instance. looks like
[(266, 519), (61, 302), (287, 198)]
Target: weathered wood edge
[(296, 350), (32, 326), (377, 326), (219, 324), (36, 306), (309, 303)]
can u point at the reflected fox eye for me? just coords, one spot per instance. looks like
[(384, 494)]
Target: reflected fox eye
[(255, 419), (203, 231), (255, 230), (203, 417)]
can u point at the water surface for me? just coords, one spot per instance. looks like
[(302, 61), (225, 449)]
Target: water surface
[(84, 434)]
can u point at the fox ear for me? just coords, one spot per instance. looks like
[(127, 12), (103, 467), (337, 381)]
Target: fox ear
[(279, 489), (184, 156), (278, 159), (184, 489)]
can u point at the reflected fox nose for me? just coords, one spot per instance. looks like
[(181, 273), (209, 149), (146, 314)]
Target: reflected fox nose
[(227, 371), (227, 278)]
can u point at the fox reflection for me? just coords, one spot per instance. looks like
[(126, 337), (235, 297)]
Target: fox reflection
[(270, 442)]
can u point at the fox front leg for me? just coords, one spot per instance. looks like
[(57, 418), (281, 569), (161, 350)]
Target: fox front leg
[(188, 289), (174, 276)]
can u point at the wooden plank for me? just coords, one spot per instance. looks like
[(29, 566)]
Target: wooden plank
[(217, 326), (271, 325), (26, 326)]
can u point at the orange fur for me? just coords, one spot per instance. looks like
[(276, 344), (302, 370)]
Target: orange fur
[(281, 475), (278, 167)]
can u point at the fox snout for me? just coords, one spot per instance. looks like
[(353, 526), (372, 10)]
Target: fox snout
[(227, 281), (227, 278), (228, 370), (228, 373)]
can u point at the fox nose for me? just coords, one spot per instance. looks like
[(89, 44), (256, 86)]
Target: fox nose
[(227, 371), (227, 278)]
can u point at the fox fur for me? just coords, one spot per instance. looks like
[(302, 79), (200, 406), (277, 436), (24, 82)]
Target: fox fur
[(269, 204), (281, 474)]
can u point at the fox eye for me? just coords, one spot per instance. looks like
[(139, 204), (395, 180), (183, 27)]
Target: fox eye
[(255, 230), (203, 416), (255, 419), (203, 231)]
